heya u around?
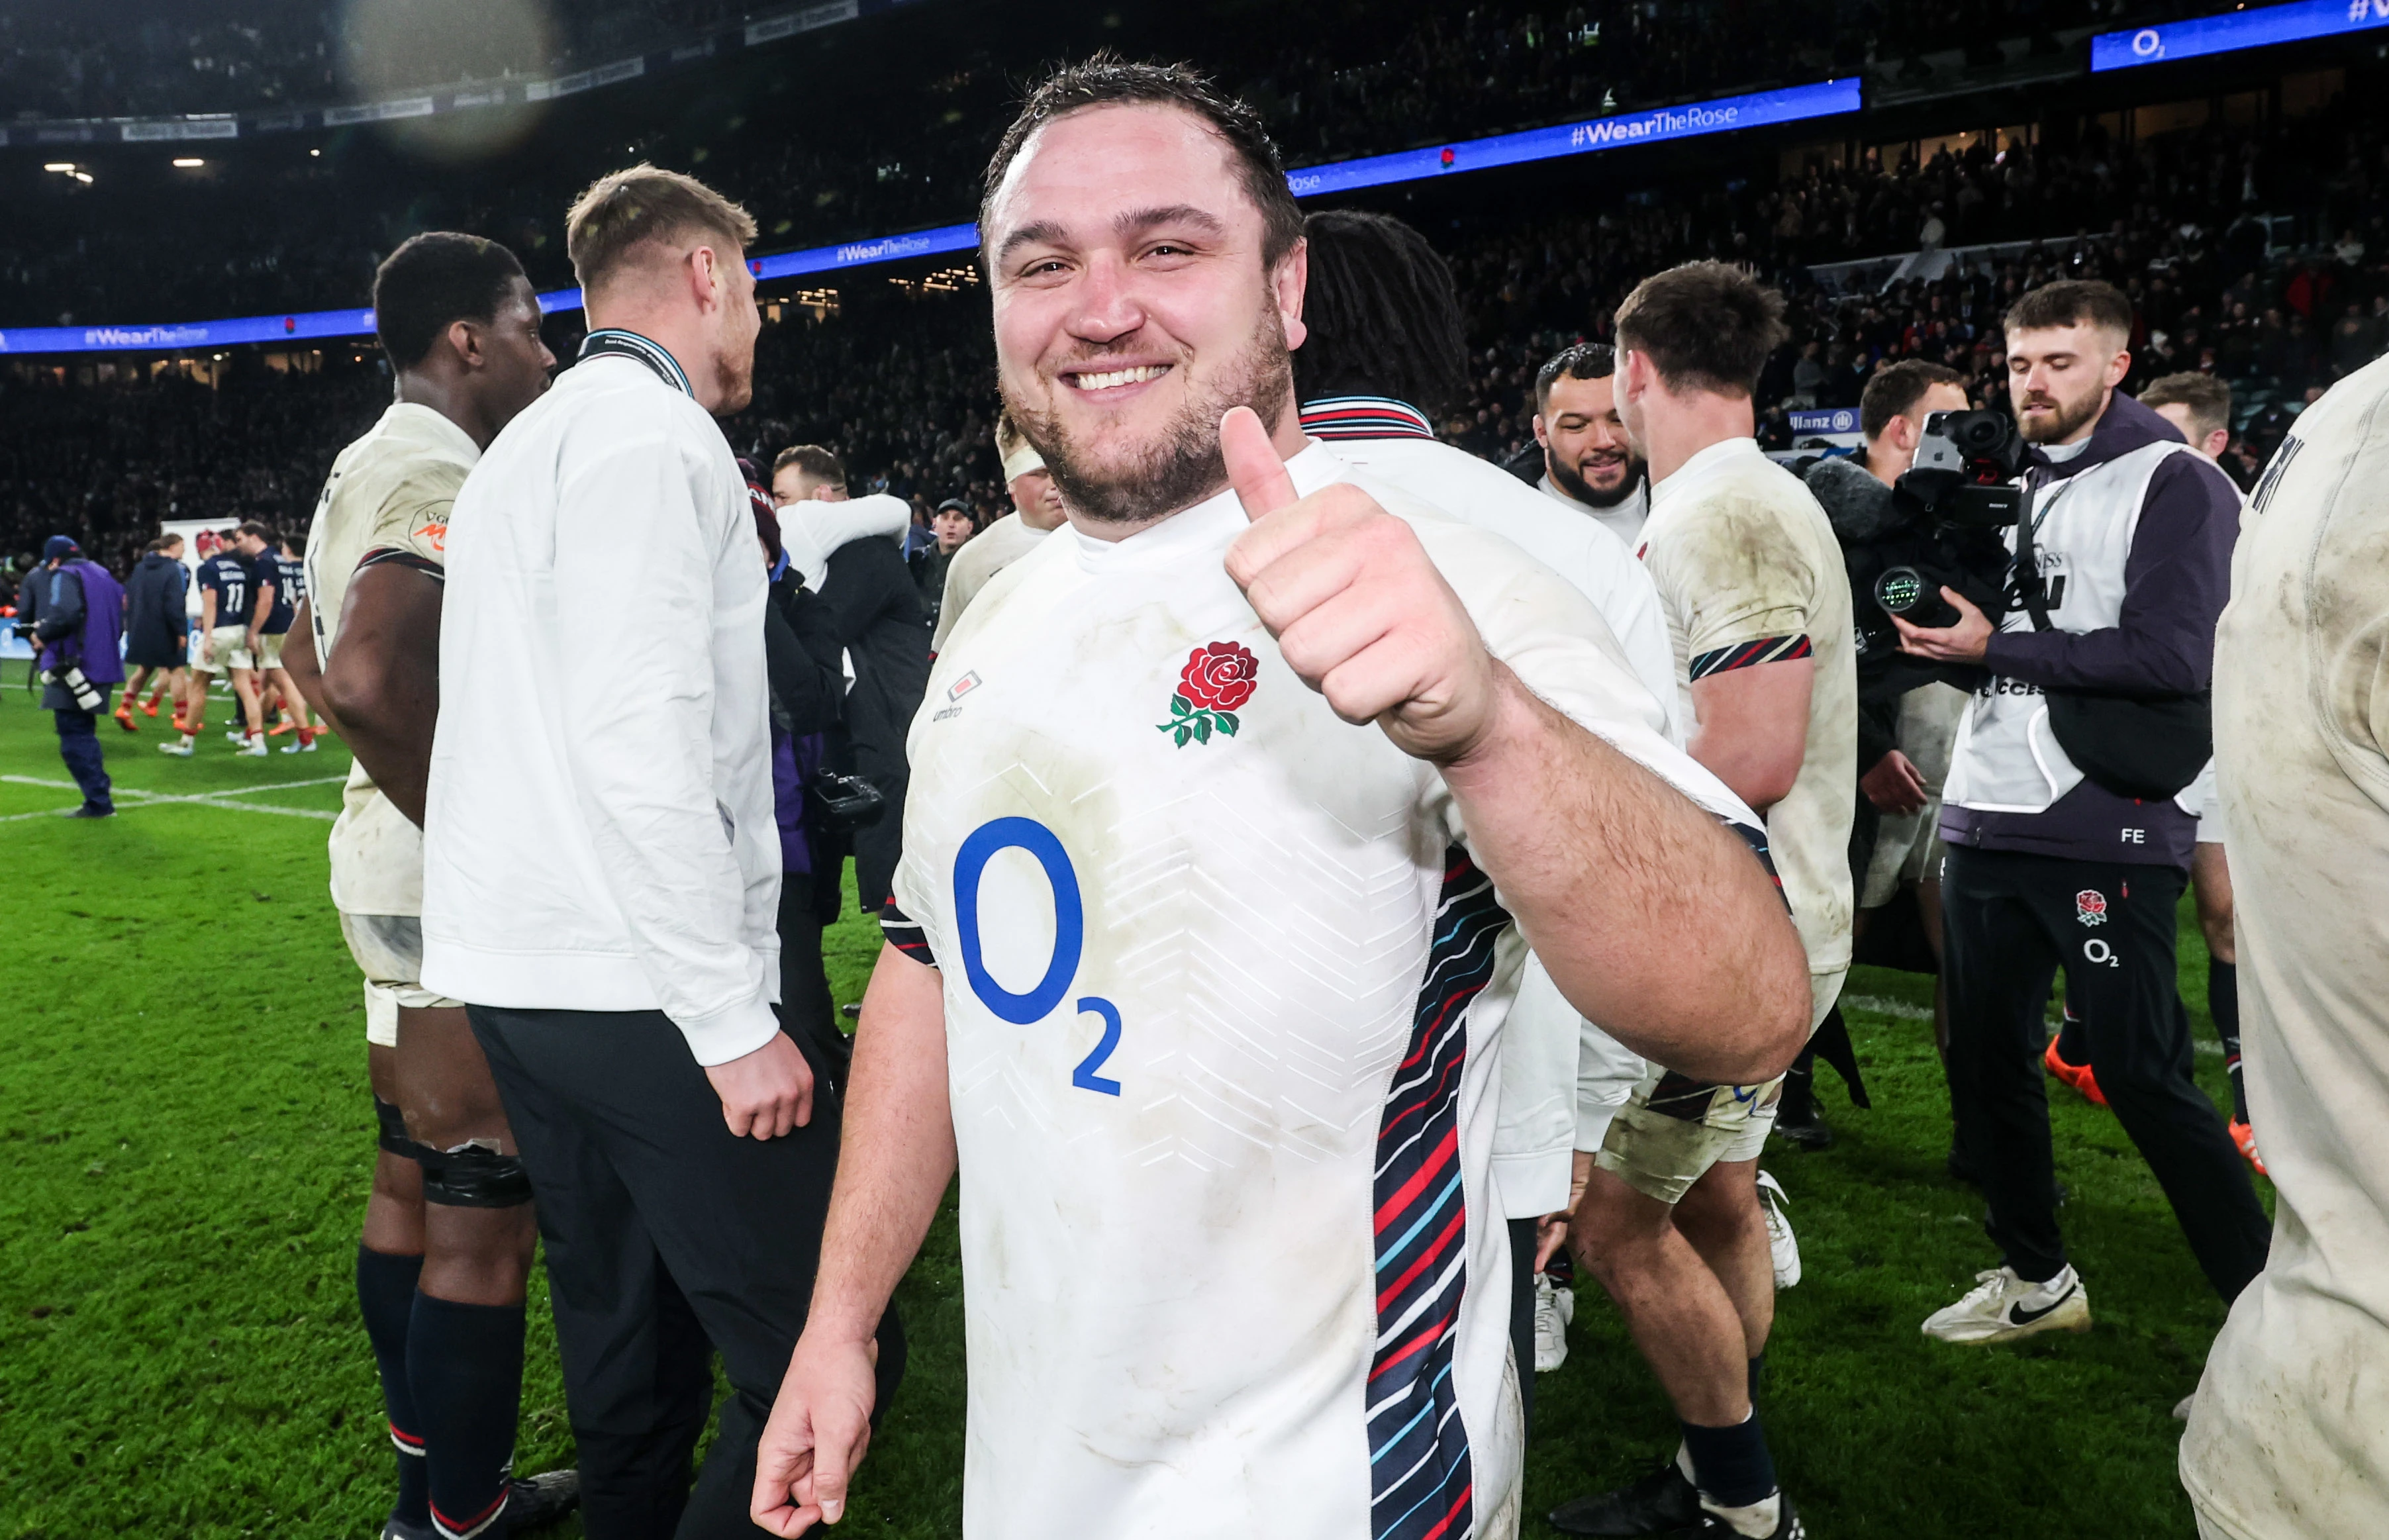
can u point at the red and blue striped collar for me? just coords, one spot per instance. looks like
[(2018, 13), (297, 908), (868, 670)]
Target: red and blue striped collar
[(1364, 417)]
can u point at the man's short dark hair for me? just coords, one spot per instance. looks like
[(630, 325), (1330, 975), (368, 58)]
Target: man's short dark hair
[(1108, 80), (261, 531), (1381, 315), (2208, 400), (1707, 325), (1893, 391), (432, 281), (2073, 303), (1577, 360), (811, 461)]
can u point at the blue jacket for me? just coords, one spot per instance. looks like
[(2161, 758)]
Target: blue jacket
[(80, 620)]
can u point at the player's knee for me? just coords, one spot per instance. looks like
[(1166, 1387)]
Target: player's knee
[(473, 1176)]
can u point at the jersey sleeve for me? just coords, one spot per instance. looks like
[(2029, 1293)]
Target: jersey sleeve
[(905, 935), (1548, 634), (413, 516), (1742, 584)]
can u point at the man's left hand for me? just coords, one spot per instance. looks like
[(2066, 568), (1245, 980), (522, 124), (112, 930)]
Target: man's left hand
[(1964, 643), (1358, 611)]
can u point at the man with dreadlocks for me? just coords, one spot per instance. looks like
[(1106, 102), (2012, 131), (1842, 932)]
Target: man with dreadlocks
[(1383, 354)]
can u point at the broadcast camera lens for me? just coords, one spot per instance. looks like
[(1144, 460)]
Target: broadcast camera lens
[(1899, 590)]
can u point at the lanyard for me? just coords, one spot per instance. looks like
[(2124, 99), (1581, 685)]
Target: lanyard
[(630, 345)]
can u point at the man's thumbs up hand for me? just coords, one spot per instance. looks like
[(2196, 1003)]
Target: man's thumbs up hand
[(1358, 611)]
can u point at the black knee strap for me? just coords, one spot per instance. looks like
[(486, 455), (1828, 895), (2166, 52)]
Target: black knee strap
[(471, 1176), (392, 1136)]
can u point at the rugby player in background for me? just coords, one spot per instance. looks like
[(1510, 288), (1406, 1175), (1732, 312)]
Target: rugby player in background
[(448, 1228)]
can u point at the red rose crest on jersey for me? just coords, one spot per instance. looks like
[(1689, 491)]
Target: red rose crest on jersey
[(2091, 907), (1219, 677)]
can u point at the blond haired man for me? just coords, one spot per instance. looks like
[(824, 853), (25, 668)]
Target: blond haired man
[(601, 878)]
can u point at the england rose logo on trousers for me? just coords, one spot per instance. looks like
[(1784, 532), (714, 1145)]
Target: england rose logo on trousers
[(1218, 677), (2091, 907)]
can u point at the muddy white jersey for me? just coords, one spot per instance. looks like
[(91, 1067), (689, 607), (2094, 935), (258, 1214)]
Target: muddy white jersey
[(1223, 994)]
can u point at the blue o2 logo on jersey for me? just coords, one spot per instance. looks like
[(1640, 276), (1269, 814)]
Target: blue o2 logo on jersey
[(1069, 939)]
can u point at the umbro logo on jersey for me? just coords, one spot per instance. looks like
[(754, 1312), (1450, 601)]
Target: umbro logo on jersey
[(2091, 907)]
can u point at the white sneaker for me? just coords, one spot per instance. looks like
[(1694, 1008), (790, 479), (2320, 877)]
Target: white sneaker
[(305, 746), (254, 749), (1782, 1245), (2004, 1308), (181, 750), (236, 734), (1554, 1308)]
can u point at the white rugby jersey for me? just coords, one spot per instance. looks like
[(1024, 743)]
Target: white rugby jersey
[(1224, 994)]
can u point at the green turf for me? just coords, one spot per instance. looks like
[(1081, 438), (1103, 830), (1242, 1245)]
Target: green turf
[(187, 1143)]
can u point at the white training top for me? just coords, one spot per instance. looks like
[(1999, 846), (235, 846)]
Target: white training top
[(598, 831), (1223, 1000), (390, 489), (982, 557), (2288, 1438)]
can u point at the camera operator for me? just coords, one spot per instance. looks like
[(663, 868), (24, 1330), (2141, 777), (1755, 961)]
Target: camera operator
[(2066, 848), (1588, 464), (1905, 727), (74, 611)]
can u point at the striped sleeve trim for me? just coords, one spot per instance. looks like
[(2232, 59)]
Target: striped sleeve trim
[(1748, 654), (1755, 837), (391, 555), (905, 935)]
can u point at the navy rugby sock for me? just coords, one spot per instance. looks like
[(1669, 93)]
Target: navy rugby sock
[(386, 1293), (465, 1363), (1731, 1465)]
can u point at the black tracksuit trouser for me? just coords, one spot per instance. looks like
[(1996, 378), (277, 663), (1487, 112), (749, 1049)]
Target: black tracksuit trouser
[(2012, 919), (667, 1240)]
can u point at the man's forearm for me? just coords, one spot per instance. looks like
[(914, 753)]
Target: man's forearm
[(897, 1151), (382, 684), (1652, 919), (306, 676)]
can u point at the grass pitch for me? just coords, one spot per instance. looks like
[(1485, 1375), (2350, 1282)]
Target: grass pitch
[(187, 1141)]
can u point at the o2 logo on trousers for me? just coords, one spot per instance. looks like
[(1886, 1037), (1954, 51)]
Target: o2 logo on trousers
[(1069, 939)]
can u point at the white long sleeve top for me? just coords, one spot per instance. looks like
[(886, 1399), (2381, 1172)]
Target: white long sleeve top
[(598, 831)]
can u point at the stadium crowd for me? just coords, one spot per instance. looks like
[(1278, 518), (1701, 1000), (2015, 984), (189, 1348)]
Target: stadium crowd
[(902, 382)]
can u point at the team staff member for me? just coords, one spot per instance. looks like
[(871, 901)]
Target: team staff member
[(602, 875), (877, 610), (77, 617), (2047, 867), (1757, 602), (1384, 352), (228, 599), (2285, 1438), (1590, 462), (1227, 1227), (157, 641), (1036, 513), (446, 1253)]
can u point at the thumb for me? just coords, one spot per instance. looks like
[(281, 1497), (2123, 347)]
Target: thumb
[(834, 1438), (1254, 467)]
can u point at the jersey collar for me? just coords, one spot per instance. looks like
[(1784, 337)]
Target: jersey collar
[(1345, 417), (630, 345)]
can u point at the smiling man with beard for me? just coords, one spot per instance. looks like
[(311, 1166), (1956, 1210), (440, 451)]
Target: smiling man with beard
[(1588, 463), (1199, 973)]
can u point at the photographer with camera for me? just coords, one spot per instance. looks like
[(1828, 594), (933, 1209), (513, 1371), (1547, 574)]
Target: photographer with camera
[(2065, 847), (74, 612), (1907, 720)]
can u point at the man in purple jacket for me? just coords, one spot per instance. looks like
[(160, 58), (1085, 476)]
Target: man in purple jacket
[(2047, 867), (78, 621)]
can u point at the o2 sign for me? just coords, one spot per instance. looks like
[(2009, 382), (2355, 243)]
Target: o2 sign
[(1069, 939)]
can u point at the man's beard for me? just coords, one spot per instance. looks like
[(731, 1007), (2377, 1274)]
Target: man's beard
[(1567, 479), (2069, 416), (737, 378), (1181, 466)]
